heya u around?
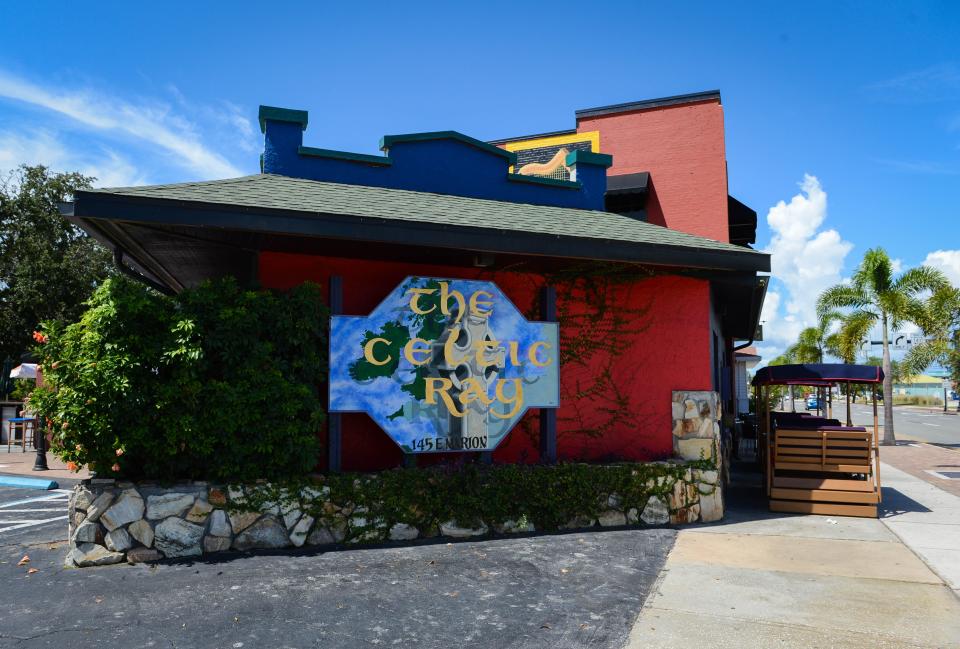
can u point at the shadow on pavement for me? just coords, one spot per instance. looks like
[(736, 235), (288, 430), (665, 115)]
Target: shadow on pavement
[(895, 503)]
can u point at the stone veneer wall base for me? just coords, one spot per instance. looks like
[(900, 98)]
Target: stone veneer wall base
[(112, 521)]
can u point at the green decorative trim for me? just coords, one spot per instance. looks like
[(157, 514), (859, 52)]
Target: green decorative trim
[(345, 155), (282, 115), (388, 140), (540, 180), (589, 157)]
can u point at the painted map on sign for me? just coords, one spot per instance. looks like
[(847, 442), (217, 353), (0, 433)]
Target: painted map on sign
[(443, 365)]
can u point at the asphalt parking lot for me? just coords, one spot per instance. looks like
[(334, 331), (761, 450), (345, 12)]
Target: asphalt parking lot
[(556, 591), (32, 516)]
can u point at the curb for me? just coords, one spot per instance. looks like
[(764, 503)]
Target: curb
[(27, 483)]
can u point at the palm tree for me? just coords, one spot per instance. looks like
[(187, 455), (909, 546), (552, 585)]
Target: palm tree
[(845, 344), (786, 358), (886, 300), (812, 342), (940, 322)]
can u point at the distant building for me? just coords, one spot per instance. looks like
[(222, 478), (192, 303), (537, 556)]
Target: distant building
[(921, 385), (745, 360)]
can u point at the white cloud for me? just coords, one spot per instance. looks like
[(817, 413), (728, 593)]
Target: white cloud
[(805, 260), (152, 123), (250, 139), (935, 83), (948, 261), (43, 147)]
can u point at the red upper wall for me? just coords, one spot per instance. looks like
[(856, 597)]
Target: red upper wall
[(682, 146), (665, 336)]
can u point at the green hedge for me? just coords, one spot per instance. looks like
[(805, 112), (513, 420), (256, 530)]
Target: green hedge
[(549, 496), (218, 382)]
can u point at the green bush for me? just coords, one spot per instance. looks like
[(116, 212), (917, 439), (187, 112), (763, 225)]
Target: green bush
[(916, 400), (217, 382)]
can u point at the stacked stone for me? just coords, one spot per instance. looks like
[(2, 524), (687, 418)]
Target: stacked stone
[(696, 424), (696, 435), (110, 521)]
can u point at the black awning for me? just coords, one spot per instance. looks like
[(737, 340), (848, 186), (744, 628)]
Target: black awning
[(627, 195), (817, 374), (742, 222), (739, 300)]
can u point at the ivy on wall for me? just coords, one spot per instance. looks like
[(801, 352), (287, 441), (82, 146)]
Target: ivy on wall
[(596, 329), (364, 507)]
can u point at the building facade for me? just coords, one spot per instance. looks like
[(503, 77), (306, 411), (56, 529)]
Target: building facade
[(620, 230)]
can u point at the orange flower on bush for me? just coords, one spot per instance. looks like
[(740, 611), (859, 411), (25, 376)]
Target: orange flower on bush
[(119, 452), (115, 468), (40, 337), (72, 466)]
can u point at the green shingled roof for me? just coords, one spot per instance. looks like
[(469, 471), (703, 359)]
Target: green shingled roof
[(267, 191)]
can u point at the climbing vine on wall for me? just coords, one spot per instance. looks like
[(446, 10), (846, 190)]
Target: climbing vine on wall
[(364, 507), (597, 327)]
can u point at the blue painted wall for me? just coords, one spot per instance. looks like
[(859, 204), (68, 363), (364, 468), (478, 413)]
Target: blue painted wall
[(443, 163)]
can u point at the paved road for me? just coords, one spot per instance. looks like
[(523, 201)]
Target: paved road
[(556, 591), (909, 423), (924, 424)]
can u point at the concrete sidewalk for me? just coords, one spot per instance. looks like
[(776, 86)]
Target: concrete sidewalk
[(762, 579), (17, 462), (926, 518)]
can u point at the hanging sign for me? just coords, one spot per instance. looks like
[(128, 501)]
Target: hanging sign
[(443, 365)]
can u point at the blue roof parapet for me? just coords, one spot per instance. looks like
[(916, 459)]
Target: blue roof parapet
[(442, 162)]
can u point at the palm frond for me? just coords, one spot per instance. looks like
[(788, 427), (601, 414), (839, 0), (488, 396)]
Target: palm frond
[(924, 354), (919, 279), (842, 296), (853, 333), (907, 309), (875, 272)]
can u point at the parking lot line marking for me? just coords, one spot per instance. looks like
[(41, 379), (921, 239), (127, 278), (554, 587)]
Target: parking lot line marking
[(27, 511), (57, 497), (31, 524)]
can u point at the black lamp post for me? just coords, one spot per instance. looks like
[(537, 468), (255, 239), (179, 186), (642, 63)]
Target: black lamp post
[(40, 443)]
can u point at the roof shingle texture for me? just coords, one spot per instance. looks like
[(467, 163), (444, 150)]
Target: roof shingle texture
[(267, 191)]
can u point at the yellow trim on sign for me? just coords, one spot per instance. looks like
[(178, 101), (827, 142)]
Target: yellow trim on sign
[(592, 136)]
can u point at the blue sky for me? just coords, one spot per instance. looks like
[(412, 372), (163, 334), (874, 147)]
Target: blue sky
[(862, 97)]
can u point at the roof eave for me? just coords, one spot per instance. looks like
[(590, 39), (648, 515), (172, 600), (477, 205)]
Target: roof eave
[(101, 206)]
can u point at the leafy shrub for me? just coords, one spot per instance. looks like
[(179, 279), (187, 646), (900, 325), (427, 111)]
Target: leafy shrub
[(217, 382), (916, 400)]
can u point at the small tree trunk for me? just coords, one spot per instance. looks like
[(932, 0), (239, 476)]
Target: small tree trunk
[(889, 438), (849, 418)]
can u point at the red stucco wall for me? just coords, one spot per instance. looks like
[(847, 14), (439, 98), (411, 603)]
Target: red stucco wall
[(668, 348), (682, 147)]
